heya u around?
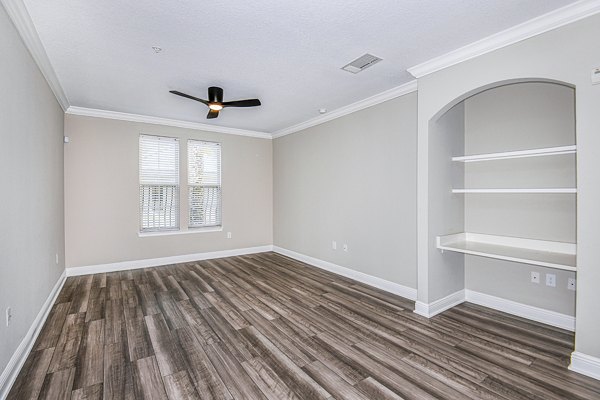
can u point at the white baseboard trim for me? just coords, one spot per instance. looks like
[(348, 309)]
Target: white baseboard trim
[(155, 262), (391, 287), (440, 305), (522, 310), (10, 373), (586, 365)]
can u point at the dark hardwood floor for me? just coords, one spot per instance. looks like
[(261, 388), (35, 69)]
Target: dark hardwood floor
[(267, 327)]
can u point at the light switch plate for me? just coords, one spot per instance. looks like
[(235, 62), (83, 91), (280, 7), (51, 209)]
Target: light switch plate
[(596, 76)]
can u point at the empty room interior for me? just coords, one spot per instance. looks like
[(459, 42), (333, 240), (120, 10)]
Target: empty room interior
[(300, 199)]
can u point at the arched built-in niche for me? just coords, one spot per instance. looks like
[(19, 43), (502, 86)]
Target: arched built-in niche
[(561, 55), (524, 198)]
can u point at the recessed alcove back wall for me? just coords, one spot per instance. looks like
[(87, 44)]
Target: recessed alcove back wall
[(517, 117)]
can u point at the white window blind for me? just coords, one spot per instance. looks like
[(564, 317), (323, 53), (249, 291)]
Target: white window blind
[(159, 183), (204, 183)]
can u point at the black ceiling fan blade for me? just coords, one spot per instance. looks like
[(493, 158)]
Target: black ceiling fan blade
[(212, 114), (215, 94), (242, 103), (188, 96)]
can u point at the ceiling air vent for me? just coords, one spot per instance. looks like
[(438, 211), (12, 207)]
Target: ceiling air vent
[(361, 63)]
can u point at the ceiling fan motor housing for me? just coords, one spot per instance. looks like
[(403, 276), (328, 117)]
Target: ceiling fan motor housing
[(215, 94)]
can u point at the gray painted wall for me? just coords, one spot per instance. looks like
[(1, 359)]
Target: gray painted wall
[(352, 180), (102, 193), (517, 117), (31, 161), (446, 210)]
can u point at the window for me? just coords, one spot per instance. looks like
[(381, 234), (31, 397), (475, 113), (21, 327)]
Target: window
[(159, 183), (204, 183)]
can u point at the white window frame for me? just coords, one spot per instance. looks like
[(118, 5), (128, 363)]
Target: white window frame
[(159, 184), (202, 181)]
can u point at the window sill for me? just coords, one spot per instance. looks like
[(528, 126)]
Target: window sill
[(181, 232)]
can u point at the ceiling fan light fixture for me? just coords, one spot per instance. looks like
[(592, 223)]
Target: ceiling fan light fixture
[(215, 101)]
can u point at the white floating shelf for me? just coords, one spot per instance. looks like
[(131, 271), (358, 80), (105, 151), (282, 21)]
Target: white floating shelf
[(544, 253), (547, 151), (523, 190)]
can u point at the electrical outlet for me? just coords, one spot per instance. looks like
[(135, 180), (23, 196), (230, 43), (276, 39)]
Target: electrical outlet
[(551, 280), (571, 284), (535, 277), (345, 247), (8, 316), (333, 245), (228, 235)]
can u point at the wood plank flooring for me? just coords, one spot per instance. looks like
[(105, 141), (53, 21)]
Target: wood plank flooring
[(264, 326)]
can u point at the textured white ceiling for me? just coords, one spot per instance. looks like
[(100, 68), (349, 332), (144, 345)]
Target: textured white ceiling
[(287, 53)]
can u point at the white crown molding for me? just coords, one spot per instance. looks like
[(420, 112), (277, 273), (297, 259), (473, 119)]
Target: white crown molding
[(22, 20), (544, 23), (390, 94), (391, 287), (522, 310), (340, 112), (438, 306), (93, 112), (552, 20), (10, 373), (157, 262), (585, 364)]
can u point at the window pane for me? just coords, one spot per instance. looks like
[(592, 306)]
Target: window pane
[(159, 207), (159, 160), (204, 163), (205, 205), (159, 183), (204, 183)]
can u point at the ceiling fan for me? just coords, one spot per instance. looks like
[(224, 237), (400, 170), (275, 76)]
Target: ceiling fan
[(215, 101)]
